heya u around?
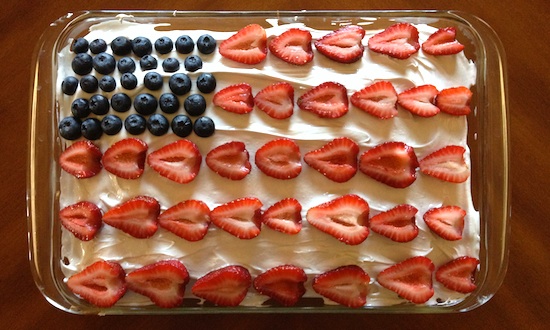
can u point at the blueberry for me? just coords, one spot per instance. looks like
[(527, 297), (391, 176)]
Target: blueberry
[(153, 81), (171, 64), (157, 124), (104, 63), (142, 46), (145, 104), (91, 129), (121, 102), (89, 83), (195, 104), (179, 83), (111, 124), (192, 63), (169, 103), (184, 44), (98, 46), (69, 128), (82, 64), (148, 62), (206, 44), (99, 104), (128, 80), (80, 108), (107, 83), (126, 64), (135, 124), (181, 125), (80, 45), (121, 46), (206, 82), (164, 45), (204, 127), (69, 85)]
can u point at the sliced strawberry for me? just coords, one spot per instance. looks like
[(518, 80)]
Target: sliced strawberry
[(398, 41), (392, 163), (229, 160), (419, 100), (398, 224), (446, 221), (235, 98), (240, 217), (454, 101), (136, 217), (81, 159), (189, 219), (225, 286), (446, 164), (293, 46), (411, 279), (284, 216), (126, 158), (327, 100), (442, 42), (101, 283), (276, 100), (280, 159), (379, 99), (344, 218), (458, 274), (343, 45), (248, 45), (163, 282), (82, 219), (346, 285), (336, 160), (178, 161), (284, 284)]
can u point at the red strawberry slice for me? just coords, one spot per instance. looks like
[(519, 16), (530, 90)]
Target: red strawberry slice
[(378, 99), (82, 219), (446, 164), (347, 285), (398, 224), (229, 160), (189, 219), (284, 284), (442, 42), (327, 100), (398, 41), (293, 46), (392, 163), (446, 221), (284, 216), (280, 159), (458, 274), (344, 218), (343, 45), (336, 160), (81, 159), (178, 161), (248, 45), (276, 100), (126, 158), (101, 283), (411, 279), (163, 282), (225, 286), (454, 101), (240, 217), (419, 100), (136, 217), (235, 98)]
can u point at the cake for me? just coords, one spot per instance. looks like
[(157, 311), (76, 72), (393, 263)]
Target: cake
[(310, 249)]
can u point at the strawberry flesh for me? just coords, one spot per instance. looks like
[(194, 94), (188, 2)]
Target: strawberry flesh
[(336, 160), (446, 164), (229, 160), (398, 223), (235, 98), (189, 220), (284, 216), (347, 285), (446, 221), (454, 101), (378, 99), (276, 100), (279, 159), (247, 46), (411, 279), (240, 217), (178, 161), (82, 219), (284, 284), (225, 286), (399, 41), (458, 274), (81, 159), (136, 217), (442, 42), (343, 45), (327, 100), (126, 158), (419, 100), (293, 46)]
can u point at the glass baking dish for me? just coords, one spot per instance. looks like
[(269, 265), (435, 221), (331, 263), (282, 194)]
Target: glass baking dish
[(488, 139)]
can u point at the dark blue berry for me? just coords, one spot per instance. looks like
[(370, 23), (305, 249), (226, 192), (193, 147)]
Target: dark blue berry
[(145, 104), (91, 129), (204, 127), (195, 104), (128, 80), (179, 83), (121, 46), (89, 83), (153, 81), (82, 64), (111, 124), (107, 83), (135, 124), (164, 45), (148, 62), (206, 82), (121, 102), (126, 64), (192, 63), (169, 103), (80, 45), (99, 104), (206, 44), (69, 85), (98, 46), (181, 125), (184, 44), (104, 63), (69, 128), (171, 64), (142, 46), (157, 124), (80, 108)]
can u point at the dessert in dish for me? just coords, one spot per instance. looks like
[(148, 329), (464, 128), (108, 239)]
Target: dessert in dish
[(404, 159)]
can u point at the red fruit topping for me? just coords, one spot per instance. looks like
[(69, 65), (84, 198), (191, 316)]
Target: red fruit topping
[(284, 216), (284, 284), (81, 159), (336, 160), (235, 98), (446, 164), (276, 100), (344, 218), (189, 220), (442, 42), (392, 163), (446, 221), (419, 100), (163, 282), (458, 274), (293, 46), (454, 101), (229, 160), (411, 279), (101, 283), (136, 217), (343, 45), (240, 217), (378, 99), (280, 159), (398, 41), (398, 224), (83, 219), (248, 45), (346, 285), (327, 100), (126, 158), (226, 286), (178, 161)]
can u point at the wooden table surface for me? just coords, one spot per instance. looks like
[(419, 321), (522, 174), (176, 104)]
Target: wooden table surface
[(523, 298)]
